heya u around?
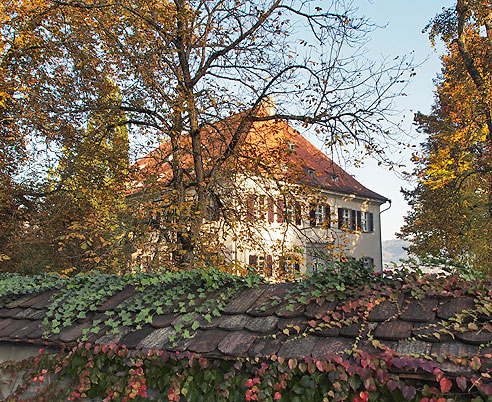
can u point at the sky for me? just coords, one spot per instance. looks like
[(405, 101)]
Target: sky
[(403, 22)]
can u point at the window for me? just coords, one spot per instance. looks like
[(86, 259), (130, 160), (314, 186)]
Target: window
[(289, 266), (345, 216), (262, 264), (333, 178), (367, 221), (317, 258), (355, 220), (291, 145), (368, 262), (311, 173), (319, 215)]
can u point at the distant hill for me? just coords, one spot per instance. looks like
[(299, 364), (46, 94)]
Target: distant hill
[(393, 250)]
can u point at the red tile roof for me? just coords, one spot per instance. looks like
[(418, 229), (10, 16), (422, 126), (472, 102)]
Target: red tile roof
[(268, 142)]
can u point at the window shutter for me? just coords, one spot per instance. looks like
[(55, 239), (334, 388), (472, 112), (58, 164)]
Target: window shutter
[(327, 216), (297, 213), (271, 214), (340, 218), (253, 260), (269, 265), (280, 210), (312, 214), (359, 226), (353, 219), (251, 207), (371, 221)]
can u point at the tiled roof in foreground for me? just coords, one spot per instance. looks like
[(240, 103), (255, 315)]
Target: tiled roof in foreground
[(255, 324)]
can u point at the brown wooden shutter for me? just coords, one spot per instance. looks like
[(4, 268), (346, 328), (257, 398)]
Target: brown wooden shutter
[(312, 214), (271, 212), (280, 210), (297, 213), (353, 219), (371, 221), (269, 265), (327, 216), (253, 260), (251, 207), (359, 227), (340, 218)]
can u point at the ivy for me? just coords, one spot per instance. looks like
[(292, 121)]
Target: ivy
[(115, 373)]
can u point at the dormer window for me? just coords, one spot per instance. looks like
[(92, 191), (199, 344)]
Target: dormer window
[(291, 145), (311, 173), (333, 178)]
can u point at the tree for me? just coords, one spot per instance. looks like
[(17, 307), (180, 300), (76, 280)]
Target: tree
[(181, 66), (468, 64), (452, 202)]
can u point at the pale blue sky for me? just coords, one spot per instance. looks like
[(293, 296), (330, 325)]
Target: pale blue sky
[(402, 35)]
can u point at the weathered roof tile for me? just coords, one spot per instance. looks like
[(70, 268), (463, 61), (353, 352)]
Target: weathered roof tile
[(36, 330), (326, 329), (39, 301), (453, 348), (237, 343), (133, 338), (206, 341), (12, 326), (27, 327), (262, 324), (266, 346), (30, 314), (419, 310), (298, 348), (413, 348), (72, 333), (9, 312), (157, 339), (267, 304), (299, 322), (161, 321), (383, 311), (291, 310), (235, 322), (331, 346), (110, 337), (431, 332), (17, 302), (394, 330), (357, 329), (450, 307), (186, 320), (314, 310), (244, 300), (116, 299), (478, 337)]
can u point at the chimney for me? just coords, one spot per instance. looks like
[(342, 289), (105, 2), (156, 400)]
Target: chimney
[(268, 105)]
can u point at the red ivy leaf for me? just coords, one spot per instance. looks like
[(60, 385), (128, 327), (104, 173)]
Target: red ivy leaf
[(362, 397), (292, 363), (475, 363), (392, 385), (445, 385), (408, 392), (321, 365), (461, 381)]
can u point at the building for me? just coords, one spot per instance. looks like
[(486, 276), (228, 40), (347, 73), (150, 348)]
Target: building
[(298, 209)]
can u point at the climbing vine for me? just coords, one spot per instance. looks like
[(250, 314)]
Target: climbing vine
[(115, 373)]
